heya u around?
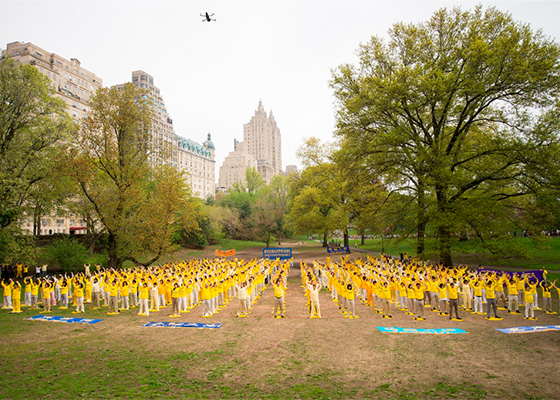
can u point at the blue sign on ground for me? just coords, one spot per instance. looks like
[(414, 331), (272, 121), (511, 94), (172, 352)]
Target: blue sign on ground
[(181, 325), (531, 329), (344, 249), (67, 320), (447, 331), (283, 253)]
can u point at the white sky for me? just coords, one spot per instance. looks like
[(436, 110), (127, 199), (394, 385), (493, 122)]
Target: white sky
[(212, 75)]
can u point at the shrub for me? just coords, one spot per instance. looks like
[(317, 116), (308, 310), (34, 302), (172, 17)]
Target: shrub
[(66, 253)]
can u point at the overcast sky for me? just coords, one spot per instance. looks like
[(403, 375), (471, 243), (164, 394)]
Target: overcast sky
[(212, 75)]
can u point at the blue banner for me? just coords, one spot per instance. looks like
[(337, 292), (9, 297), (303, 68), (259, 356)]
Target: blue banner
[(181, 325), (448, 331), (283, 253), (539, 274), (530, 329), (67, 320), (345, 249)]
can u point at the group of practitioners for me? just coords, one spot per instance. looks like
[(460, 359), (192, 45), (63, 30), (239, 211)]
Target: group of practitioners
[(386, 284), (211, 283)]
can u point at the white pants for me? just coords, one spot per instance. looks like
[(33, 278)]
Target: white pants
[(477, 304), (144, 309), (80, 302)]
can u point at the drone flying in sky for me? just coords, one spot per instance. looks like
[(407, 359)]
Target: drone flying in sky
[(207, 17)]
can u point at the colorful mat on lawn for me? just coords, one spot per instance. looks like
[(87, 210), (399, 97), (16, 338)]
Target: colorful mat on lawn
[(448, 331), (531, 329), (67, 320), (181, 325)]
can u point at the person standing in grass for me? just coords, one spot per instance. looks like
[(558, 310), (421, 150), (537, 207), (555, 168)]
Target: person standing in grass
[(96, 291), (64, 288), (547, 298), (513, 294), (79, 293), (489, 286), (175, 299), (35, 285), (529, 304), (144, 288), (453, 291), (28, 286), (16, 297), (46, 287), (114, 288), (241, 289), (7, 285), (419, 289), (313, 289), (279, 290), (350, 303)]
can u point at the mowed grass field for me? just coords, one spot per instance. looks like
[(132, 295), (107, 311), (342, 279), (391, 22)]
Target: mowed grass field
[(262, 357)]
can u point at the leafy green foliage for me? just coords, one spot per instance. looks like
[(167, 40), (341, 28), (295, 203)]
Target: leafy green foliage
[(66, 253), (455, 113)]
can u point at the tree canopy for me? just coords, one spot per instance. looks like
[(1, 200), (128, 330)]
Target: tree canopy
[(455, 111)]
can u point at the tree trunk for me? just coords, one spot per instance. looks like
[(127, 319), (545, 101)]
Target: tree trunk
[(113, 253), (346, 238), (444, 232), (363, 234), (421, 219), (36, 221), (325, 240)]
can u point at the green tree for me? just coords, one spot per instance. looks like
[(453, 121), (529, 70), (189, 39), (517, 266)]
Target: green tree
[(140, 207), (446, 110), (33, 124)]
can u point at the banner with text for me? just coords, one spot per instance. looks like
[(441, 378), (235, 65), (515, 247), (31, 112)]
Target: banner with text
[(67, 320), (448, 331), (181, 325), (226, 253), (340, 250), (539, 273), (283, 253), (530, 329)]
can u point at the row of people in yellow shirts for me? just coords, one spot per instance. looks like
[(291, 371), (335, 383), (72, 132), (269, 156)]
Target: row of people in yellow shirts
[(190, 281)]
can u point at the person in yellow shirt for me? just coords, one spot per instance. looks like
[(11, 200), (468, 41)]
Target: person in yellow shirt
[(7, 285), (513, 295), (79, 294), (489, 286), (453, 291), (27, 297), (64, 288), (547, 298), (16, 297), (125, 295), (477, 288), (206, 296), (419, 289), (442, 296), (175, 298), (350, 303), (529, 288), (114, 288), (279, 290), (384, 293), (144, 295), (35, 284), (46, 287)]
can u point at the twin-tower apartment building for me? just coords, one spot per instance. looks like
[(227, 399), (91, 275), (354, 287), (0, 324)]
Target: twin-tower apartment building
[(261, 146)]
